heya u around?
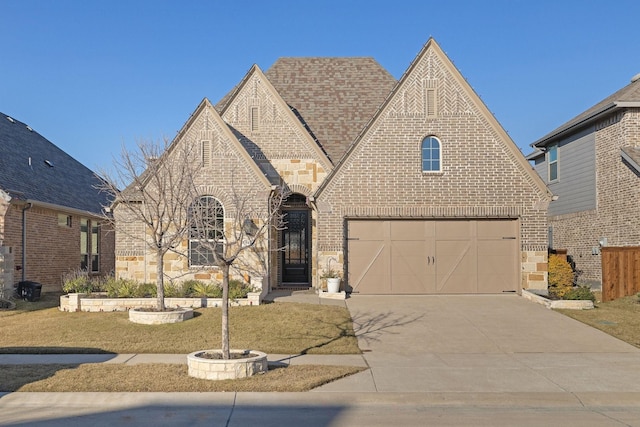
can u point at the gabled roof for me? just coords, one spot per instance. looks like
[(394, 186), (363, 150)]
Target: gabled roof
[(205, 104), (628, 96), (34, 169), (510, 145), (335, 97), (254, 150)]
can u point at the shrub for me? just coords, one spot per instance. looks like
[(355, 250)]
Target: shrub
[(239, 289), (172, 290), (146, 290), (121, 288), (208, 290), (580, 293), (560, 276), (77, 281)]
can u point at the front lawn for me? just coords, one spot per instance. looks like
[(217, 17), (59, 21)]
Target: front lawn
[(619, 318), (277, 328)]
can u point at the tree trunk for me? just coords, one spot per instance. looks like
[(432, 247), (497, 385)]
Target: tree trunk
[(225, 312), (160, 279)]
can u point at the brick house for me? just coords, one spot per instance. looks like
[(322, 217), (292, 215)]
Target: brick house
[(406, 186), (592, 163), (50, 211)]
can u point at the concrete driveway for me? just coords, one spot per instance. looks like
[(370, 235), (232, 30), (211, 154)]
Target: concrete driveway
[(483, 344)]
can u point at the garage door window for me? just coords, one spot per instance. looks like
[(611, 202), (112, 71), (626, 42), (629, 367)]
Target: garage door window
[(431, 155)]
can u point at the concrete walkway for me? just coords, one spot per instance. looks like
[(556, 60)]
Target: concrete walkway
[(434, 360)]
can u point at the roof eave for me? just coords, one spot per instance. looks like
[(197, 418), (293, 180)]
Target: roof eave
[(563, 130), (630, 160)]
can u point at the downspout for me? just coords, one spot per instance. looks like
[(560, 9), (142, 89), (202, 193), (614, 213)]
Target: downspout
[(24, 240)]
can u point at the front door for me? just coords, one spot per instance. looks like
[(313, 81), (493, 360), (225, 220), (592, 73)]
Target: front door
[(296, 247)]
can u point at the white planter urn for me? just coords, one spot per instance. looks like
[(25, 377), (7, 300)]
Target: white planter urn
[(333, 285)]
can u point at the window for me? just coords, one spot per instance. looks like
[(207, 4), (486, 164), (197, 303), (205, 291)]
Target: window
[(552, 155), (64, 220), (431, 155), (89, 244), (207, 231)]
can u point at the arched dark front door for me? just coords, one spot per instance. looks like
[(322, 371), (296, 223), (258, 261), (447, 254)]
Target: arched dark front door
[(296, 241)]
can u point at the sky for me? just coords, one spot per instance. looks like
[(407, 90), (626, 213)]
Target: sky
[(93, 76)]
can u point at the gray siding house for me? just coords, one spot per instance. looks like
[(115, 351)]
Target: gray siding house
[(591, 164)]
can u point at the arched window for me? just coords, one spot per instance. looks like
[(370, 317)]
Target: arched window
[(431, 155), (206, 236)]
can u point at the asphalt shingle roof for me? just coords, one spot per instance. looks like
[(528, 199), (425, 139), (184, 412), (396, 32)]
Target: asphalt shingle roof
[(335, 97), (25, 173), (629, 93)]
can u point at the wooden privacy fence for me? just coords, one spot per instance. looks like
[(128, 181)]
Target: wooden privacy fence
[(620, 272)]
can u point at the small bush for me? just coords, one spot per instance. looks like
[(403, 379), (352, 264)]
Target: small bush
[(206, 290), (121, 288), (172, 290), (77, 281), (238, 289), (560, 276), (147, 290), (580, 293)]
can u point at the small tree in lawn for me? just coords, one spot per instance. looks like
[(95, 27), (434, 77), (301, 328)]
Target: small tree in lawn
[(158, 187), (248, 218)]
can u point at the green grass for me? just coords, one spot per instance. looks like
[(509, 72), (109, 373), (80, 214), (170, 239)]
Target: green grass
[(277, 328)]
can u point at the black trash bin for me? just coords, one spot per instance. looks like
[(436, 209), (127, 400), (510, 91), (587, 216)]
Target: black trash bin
[(29, 291)]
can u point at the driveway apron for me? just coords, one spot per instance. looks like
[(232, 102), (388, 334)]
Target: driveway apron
[(482, 343)]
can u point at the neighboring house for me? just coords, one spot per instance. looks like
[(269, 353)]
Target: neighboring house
[(50, 211), (404, 187), (592, 163)]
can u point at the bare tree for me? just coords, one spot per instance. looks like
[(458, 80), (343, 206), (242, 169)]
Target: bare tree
[(158, 182), (241, 242)]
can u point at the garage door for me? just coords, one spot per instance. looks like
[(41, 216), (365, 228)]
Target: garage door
[(432, 257)]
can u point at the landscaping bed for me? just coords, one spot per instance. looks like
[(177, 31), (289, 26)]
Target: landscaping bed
[(100, 302)]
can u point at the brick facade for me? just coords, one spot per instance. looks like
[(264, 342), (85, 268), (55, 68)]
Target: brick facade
[(616, 217), (52, 250), (483, 173)]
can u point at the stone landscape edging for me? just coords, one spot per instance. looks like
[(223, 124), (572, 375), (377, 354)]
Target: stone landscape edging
[(90, 303), (561, 304)]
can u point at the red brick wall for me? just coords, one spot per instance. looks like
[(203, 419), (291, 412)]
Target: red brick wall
[(51, 249)]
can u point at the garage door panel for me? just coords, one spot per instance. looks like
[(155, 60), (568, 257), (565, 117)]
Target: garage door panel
[(497, 270), (368, 266), (450, 230), (496, 229), (433, 256), (409, 267), (411, 230), (455, 265)]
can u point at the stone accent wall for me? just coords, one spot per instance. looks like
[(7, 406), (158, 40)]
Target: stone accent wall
[(227, 174), (535, 271), (617, 217), (482, 174), (6, 271)]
